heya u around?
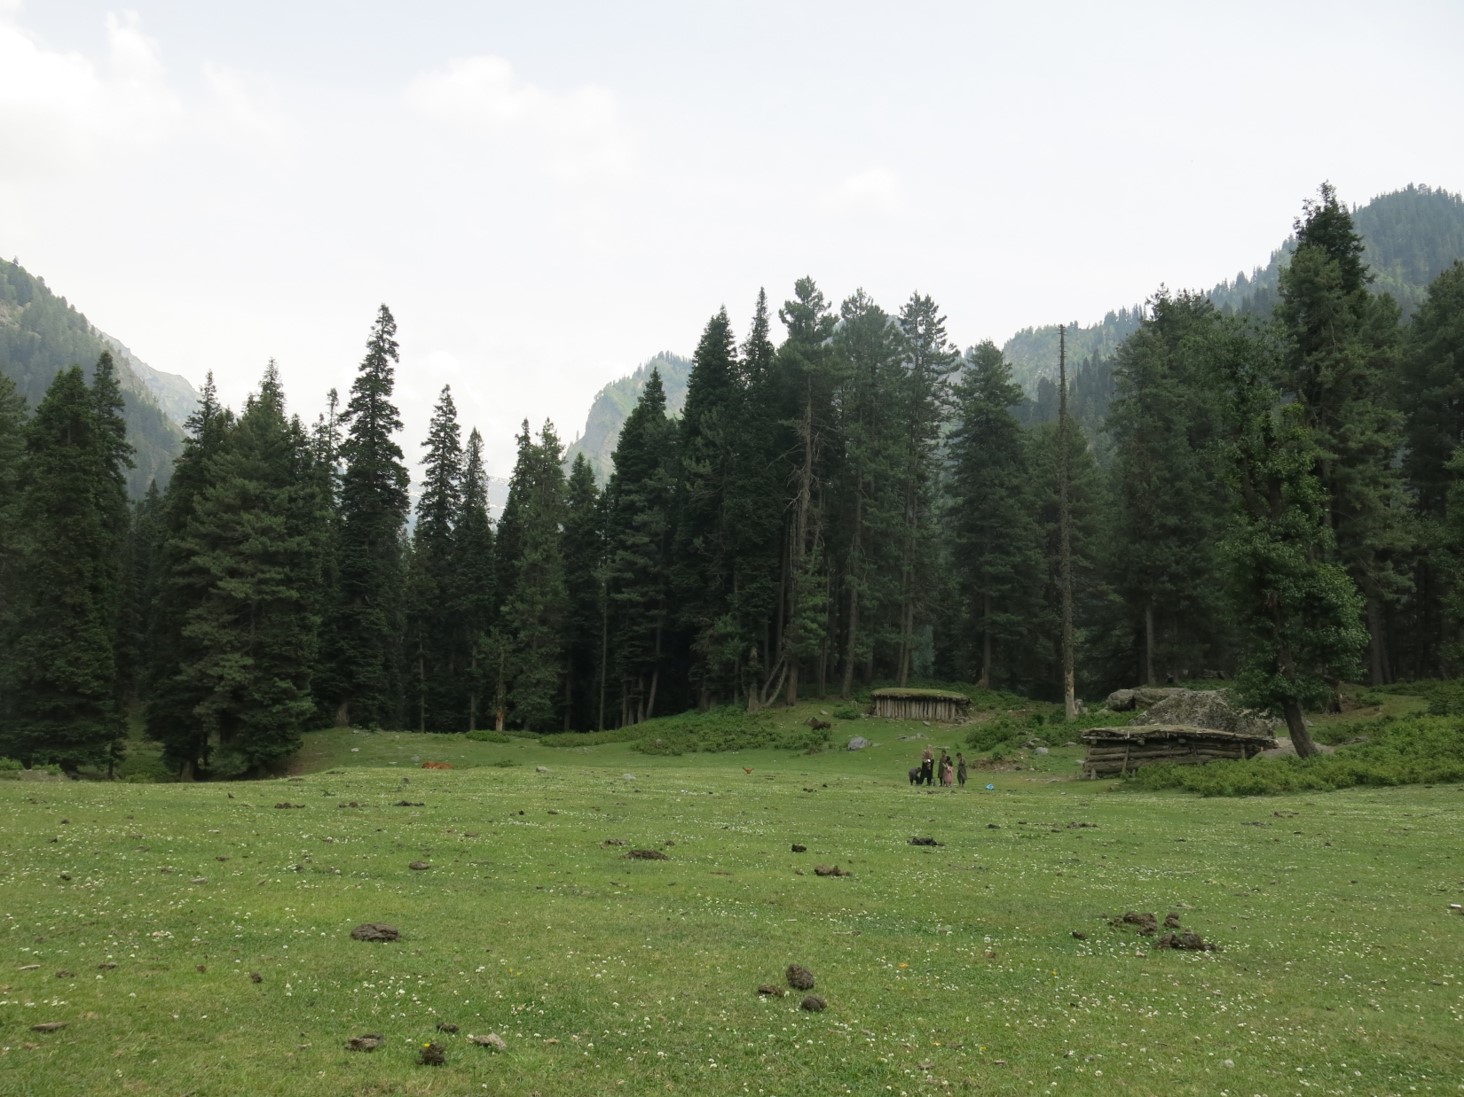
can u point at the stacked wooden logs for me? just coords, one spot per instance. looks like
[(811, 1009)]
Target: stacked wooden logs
[(1113, 752)]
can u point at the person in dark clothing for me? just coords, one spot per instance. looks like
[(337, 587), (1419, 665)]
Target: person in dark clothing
[(927, 767), (961, 769)]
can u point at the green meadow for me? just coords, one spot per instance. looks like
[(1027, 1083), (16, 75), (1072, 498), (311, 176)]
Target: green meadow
[(196, 939)]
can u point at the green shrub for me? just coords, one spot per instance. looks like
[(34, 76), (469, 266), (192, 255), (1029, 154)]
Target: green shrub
[(485, 735), (1408, 751), (847, 712)]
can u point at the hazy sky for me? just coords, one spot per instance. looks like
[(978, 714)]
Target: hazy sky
[(546, 194)]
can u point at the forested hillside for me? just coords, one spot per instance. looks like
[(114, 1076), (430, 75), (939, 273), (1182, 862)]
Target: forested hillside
[(41, 335), (1277, 499)]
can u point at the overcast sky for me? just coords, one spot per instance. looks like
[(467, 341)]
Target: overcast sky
[(546, 194)]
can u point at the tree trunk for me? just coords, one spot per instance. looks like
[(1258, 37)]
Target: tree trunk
[(985, 680), (1296, 726), (1064, 523), (1149, 641), (1377, 649)]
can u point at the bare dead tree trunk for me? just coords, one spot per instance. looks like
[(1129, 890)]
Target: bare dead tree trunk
[(1064, 524)]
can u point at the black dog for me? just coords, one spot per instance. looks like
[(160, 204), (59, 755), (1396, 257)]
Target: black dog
[(915, 775)]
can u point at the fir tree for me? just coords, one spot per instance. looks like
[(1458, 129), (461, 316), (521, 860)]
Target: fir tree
[(436, 642), (367, 619), (586, 640), (638, 533), (173, 696), (253, 539), (474, 565), (994, 550), (73, 521)]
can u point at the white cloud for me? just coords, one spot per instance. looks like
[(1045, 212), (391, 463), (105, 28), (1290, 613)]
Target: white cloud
[(59, 110), (576, 134), (241, 109), (874, 190)]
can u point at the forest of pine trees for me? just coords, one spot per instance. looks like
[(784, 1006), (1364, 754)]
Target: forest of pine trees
[(1277, 499)]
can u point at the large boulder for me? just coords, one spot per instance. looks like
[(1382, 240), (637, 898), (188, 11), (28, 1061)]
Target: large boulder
[(1209, 708), (1141, 697)]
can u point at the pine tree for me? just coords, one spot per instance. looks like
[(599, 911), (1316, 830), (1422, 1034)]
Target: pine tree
[(586, 646), (367, 620), (997, 561), (1169, 500), (754, 512), (172, 696), (804, 365), (1340, 346), (638, 535), (702, 557), (12, 456), (929, 360), (73, 521), (534, 612), (254, 540), (435, 638), (1430, 393), (1298, 612), (474, 566), (866, 491)]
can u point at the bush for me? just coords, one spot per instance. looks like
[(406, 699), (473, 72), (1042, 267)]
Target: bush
[(848, 712), (1408, 751), (485, 735)]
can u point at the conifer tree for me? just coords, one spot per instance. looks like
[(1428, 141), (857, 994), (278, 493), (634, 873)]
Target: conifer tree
[(436, 642), (1169, 498), (73, 521), (924, 398), (1339, 349), (804, 365), (474, 565), (997, 563), (1298, 612), (12, 454), (702, 558), (253, 539), (638, 532), (866, 492), (534, 612), (173, 696), (586, 640), (367, 621), (754, 512)]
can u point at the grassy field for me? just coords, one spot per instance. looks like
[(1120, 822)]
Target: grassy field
[(196, 939)]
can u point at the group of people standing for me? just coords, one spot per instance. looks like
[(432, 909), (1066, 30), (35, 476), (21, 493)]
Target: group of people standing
[(947, 771)]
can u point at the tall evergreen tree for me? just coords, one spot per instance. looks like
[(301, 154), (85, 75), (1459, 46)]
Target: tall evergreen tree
[(367, 619), (702, 558), (534, 611), (804, 364), (930, 359), (868, 348), (1298, 612), (73, 519), (995, 552), (173, 696), (639, 541), (1170, 506), (254, 539), (586, 639), (12, 454), (753, 510), (474, 556), (1340, 346), (435, 638)]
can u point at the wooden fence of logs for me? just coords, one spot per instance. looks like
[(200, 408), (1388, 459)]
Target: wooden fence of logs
[(937, 706), (1113, 752)]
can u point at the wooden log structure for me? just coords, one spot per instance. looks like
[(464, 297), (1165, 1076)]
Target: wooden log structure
[(939, 706), (1112, 752)]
